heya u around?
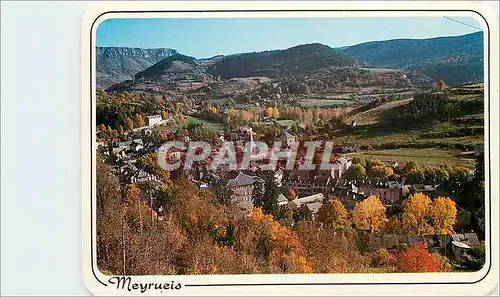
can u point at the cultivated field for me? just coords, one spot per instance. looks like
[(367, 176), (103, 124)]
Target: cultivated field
[(422, 156)]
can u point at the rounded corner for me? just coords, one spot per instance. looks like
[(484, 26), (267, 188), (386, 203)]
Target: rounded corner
[(92, 282), (482, 19)]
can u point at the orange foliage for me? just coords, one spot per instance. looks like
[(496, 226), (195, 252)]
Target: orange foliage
[(283, 247), (417, 259)]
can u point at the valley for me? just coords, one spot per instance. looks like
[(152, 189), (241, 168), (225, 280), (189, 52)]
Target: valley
[(361, 144)]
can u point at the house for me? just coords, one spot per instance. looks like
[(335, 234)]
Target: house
[(154, 120), (387, 193), (298, 202), (137, 144), (387, 196), (141, 176), (282, 200), (391, 242), (349, 195), (429, 190), (310, 209), (242, 133), (287, 138), (340, 167), (462, 243), (242, 187), (350, 148)]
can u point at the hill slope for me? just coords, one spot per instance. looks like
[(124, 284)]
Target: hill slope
[(297, 60), (456, 59), (117, 64), (173, 72)]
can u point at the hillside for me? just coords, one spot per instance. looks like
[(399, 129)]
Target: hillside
[(456, 59), (293, 61), (176, 72), (117, 64)]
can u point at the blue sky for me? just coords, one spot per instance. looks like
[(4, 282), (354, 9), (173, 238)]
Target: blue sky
[(206, 37)]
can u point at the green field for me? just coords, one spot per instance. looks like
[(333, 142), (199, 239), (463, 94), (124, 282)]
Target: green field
[(207, 124), (322, 102), (431, 156), (287, 123), (190, 119), (380, 70)]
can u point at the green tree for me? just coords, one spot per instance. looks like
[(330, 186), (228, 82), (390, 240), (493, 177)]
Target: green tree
[(448, 109), (258, 193), (356, 173), (222, 194), (271, 195)]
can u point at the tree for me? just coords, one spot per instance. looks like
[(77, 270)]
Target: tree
[(448, 109), (479, 168), (442, 85), (275, 113), (443, 215), (356, 172), (221, 193), (393, 226), (104, 131), (164, 114), (333, 214), (139, 120), (278, 246), (269, 111), (416, 210), (416, 259), (369, 214), (380, 171), (258, 193), (129, 124), (269, 197), (409, 166), (108, 219), (149, 163), (331, 251), (120, 130)]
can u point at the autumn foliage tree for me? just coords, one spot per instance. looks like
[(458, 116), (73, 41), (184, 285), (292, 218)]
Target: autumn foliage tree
[(334, 215), (416, 259), (421, 215), (108, 211), (380, 171), (443, 214), (416, 214), (330, 250), (139, 120), (129, 124), (369, 214)]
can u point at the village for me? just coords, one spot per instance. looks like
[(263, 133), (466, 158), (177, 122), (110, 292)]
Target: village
[(300, 192)]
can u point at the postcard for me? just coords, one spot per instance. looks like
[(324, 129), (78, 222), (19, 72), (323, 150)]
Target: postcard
[(290, 148)]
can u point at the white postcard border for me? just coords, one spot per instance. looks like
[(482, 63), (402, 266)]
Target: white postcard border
[(480, 282)]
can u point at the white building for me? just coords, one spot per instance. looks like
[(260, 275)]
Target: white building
[(154, 120), (288, 138), (298, 202), (340, 167)]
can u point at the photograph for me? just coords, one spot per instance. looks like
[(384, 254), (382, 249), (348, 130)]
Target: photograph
[(288, 145)]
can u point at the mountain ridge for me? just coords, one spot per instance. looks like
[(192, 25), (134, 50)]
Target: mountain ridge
[(455, 59)]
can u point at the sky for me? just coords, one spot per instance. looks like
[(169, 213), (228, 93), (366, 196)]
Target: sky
[(207, 37)]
